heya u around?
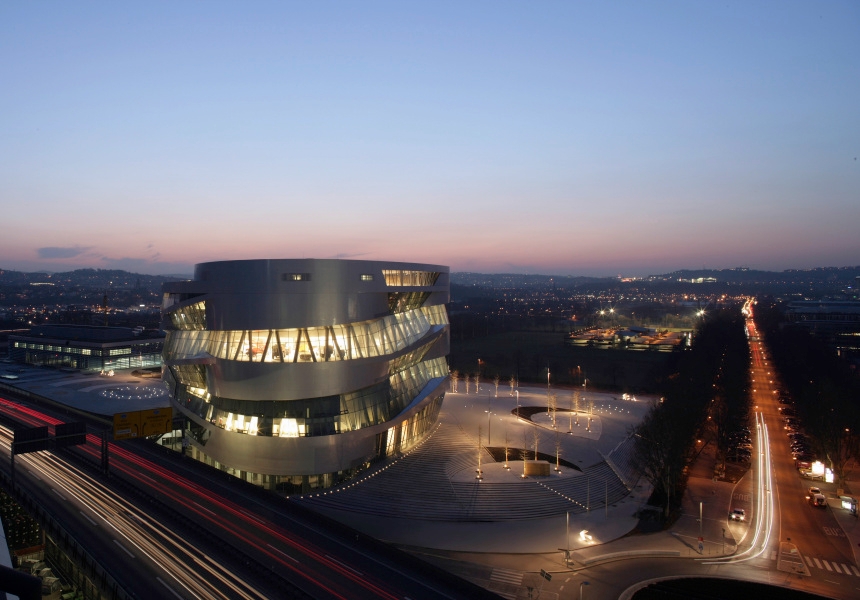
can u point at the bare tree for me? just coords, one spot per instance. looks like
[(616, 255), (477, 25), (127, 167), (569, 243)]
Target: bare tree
[(496, 381), (455, 378), (477, 382), (466, 380), (507, 441), (478, 470), (660, 449), (525, 451), (553, 408), (590, 413), (557, 453), (512, 382), (575, 401), (536, 437)]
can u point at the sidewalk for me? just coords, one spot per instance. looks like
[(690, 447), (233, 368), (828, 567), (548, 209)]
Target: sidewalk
[(719, 537)]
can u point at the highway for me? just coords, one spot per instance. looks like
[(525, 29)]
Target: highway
[(287, 547), (129, 542)]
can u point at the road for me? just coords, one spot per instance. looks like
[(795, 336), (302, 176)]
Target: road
[(128, 541), (299, 549)]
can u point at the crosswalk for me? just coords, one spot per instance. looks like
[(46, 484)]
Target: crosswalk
[(825, 565), (504, 578)]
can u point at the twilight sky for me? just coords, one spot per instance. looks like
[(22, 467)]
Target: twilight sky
[(530, 137)]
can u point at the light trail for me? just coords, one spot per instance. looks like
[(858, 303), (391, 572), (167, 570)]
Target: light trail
[(197, 574), (131, 464), (765, 519)]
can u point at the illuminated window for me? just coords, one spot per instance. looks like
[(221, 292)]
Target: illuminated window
[(366, 277), (297, 276), (409, 278)]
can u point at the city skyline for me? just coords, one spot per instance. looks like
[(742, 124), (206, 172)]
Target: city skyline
[(562, 139)]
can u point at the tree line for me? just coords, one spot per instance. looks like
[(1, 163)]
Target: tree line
[(707, 397)]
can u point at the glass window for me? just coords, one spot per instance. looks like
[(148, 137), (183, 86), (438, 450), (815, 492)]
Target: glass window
[(410, 278), (310, 344)]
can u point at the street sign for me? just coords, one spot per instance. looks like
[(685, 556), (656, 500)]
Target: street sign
[(126, 425), (70, 434), (30, 439), (142, 423), (156, 421), (545, 575)]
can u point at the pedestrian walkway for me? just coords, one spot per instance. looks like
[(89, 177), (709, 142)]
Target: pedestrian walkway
[(828, 566)]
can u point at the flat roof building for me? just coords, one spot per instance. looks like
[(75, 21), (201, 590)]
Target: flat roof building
[(296, 374), (87, 347), (837, 322)]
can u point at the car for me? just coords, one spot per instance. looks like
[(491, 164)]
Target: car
[(738, 514), (813, 490), (817, 500)]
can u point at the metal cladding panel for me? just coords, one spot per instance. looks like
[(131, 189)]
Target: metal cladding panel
[(259, 294), (293, 381), (290, 309)]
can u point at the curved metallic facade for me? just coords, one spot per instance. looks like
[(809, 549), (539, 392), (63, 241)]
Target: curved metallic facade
[(295, 374)]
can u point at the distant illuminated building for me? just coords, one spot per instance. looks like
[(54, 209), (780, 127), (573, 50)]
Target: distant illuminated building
[(87, 347), (297, 374), (837, 322)]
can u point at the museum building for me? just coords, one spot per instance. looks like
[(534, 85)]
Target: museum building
[(295, 374)]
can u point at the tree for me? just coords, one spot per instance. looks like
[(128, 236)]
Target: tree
[(478, 470), (574, 406), (660, 451), (557, 453), (553, 407), (536, 437), (513, 383), (466, 380), (496, 381), (525, 451), (455, 378)]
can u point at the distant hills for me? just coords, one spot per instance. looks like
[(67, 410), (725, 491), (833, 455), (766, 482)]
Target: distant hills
[(740, 275), (102, 279)]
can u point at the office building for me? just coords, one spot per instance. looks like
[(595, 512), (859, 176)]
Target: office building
[(87, 347)]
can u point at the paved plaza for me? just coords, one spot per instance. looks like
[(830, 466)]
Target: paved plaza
[(433, 497)]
